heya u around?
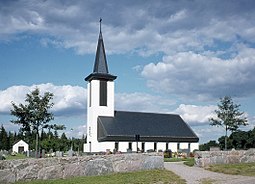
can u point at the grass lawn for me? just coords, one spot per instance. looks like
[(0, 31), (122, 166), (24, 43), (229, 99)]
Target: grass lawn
[(190, 162), (152, 176), (245, 169), (207, 181), (173, 159), (187, 161), (18, 156)]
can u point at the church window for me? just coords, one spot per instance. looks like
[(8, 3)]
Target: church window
[(116, 146), (130, 145), (178, 146), (155, 146), (103, 93), (143, 146)]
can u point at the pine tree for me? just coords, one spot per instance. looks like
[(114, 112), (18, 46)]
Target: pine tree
[(4, 139), (11, 138)]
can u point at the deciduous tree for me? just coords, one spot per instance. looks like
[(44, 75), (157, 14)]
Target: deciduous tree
[(228, 116), (34, 115)]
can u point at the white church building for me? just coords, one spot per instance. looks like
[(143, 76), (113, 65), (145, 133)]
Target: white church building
[(108, 129)]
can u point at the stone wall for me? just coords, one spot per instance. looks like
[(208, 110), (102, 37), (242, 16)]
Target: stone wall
[(205, 158), (64, 167)]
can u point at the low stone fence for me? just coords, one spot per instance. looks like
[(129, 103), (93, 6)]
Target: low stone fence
[(205, 158), (64, 167)]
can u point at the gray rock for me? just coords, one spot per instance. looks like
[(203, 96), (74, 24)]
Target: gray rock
[(205, 158), (98, 167), (64, 167), (7, 176), (50, 172)]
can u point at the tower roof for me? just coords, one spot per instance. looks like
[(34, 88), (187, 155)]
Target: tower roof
[(100, 65), (100, 70)]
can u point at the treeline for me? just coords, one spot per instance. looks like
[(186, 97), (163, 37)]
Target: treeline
[(237, 140), (47, 140)]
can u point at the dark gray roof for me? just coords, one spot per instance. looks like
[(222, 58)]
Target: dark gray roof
[(150, 127), (100, 66)]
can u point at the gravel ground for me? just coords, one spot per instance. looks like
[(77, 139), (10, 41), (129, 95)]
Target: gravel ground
[(195, 175)]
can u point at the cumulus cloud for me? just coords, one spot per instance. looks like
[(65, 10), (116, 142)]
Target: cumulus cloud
[(77, 131), (147, 27), (142, 102), (191, 74), (68, 100), (196, 115)]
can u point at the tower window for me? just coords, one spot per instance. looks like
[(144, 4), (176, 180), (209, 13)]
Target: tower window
[(103, 93)]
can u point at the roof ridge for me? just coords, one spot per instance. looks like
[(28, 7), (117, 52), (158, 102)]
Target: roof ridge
[(147, 112)]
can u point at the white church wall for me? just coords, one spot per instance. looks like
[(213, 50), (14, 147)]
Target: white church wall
[(95, 110), (161, 146), (172, 146), (194, 146), (149, 146), (123, 146), (184, 146)]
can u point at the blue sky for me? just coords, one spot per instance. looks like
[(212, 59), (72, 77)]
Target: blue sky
[(169, 56)]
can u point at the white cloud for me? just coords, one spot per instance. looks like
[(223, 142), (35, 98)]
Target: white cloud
[(14, 94), (77, 131), (196, 115), (142, 102), (68, 100), (167, 27), (178, 16), (206, 133), (190, 74)]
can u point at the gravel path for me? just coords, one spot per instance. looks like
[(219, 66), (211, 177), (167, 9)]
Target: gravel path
[(195, 175)]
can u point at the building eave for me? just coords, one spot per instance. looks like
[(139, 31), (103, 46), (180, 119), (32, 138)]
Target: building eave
[(100, 76)]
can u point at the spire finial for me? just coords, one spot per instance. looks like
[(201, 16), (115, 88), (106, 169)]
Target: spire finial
[(100, 23)]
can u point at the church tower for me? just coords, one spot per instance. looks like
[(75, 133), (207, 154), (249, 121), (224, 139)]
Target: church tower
[(100, 99)]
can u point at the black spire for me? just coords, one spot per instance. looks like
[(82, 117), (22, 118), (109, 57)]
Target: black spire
[(100, 65), (100, 70)]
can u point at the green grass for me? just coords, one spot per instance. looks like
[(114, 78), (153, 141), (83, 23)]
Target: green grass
[(190, 162), (142, 177), (173, 159), (245, 169), (187, 161), (206, 181), (18, 156)]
